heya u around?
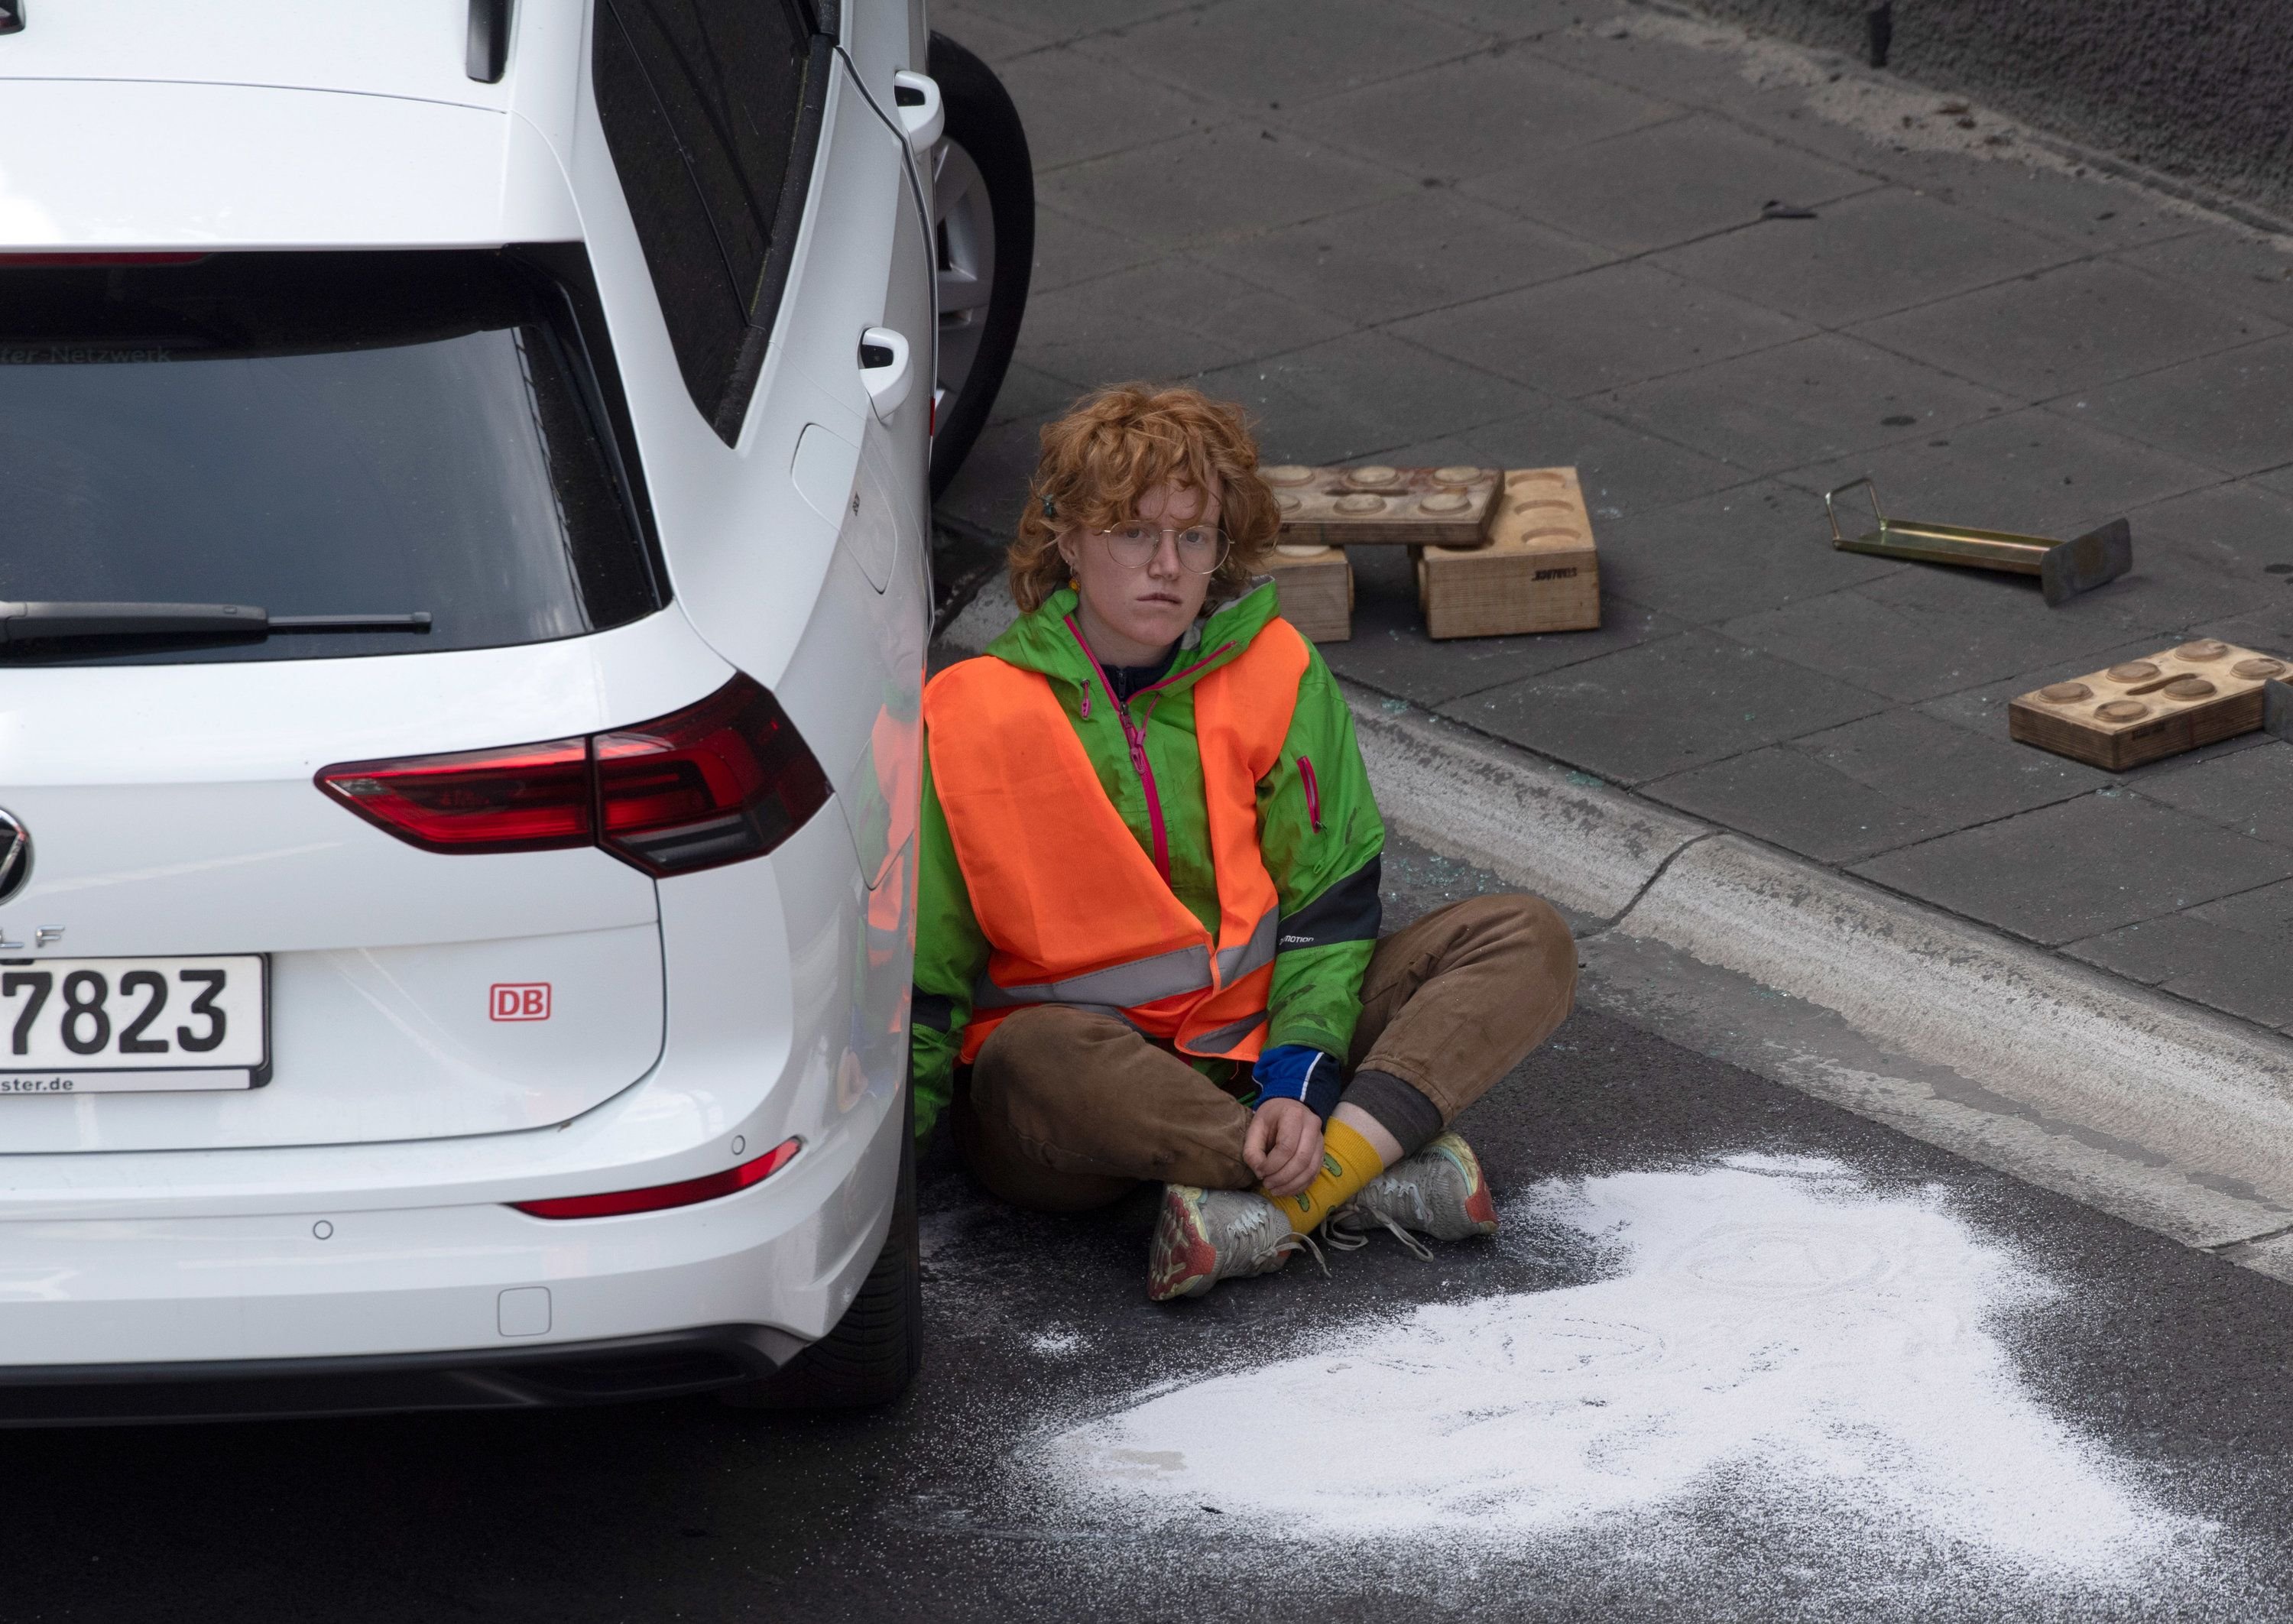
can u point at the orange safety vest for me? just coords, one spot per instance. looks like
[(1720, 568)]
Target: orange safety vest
[(1075, 912)]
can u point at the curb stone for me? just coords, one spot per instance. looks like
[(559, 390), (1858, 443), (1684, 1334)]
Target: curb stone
[(2172, 1118)]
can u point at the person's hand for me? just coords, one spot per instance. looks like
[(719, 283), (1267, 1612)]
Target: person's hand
[(1284, 1146)]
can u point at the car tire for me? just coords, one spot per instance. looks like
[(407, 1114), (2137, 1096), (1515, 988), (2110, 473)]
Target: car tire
[(982, 184), (875, 1350)]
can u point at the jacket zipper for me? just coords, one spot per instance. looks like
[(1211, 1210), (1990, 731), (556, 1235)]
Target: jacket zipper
[(1137, 740), (1313, 793)]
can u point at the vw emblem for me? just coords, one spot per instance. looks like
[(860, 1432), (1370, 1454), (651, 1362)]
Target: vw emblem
[(15, 856)]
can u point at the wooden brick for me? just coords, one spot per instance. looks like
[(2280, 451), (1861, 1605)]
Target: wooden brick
[(1315, 588), (1371, 504), (2145, 710), (1539, 572)]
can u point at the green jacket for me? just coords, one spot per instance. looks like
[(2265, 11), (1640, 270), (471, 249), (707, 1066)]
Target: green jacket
[(1317, 828)]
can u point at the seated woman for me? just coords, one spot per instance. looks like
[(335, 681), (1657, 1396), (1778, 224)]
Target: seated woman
[(1147, 934)]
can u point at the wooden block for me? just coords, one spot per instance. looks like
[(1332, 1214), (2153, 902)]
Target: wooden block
[(2145, 710), (1539, 572), (1371, 504), (1316, 589)]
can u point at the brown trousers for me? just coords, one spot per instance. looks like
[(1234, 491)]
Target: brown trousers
[(1066, 1110)]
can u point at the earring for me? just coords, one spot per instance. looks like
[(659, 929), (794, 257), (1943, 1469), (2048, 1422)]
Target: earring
[(1051, 508)]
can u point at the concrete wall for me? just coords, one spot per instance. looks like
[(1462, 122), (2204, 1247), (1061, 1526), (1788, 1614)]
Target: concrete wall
[(2202, 89)]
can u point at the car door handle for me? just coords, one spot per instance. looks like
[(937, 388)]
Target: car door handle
[(885, 368), (916, 98)]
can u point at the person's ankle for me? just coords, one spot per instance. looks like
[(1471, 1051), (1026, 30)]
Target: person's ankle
[(1380, 1140)]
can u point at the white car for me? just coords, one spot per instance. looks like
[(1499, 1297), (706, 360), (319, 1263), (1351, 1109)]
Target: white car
[(465, 548)]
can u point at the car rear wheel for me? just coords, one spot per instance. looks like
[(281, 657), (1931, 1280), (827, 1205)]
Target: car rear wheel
[(876, 1349), (983, 198)]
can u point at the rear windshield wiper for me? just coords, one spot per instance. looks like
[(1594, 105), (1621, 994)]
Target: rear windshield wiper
[(43, 622)]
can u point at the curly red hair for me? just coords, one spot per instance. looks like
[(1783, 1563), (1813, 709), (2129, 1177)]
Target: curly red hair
[(1120, 442)]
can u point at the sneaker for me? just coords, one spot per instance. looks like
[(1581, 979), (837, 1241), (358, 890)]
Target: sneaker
[(1209, 1235), (1439, 1191)]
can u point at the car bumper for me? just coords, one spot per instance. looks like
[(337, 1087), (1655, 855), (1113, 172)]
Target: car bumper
[(668, 1365), (435, 1300)]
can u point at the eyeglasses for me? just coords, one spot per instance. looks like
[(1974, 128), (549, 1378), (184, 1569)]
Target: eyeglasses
[(1200, 548)]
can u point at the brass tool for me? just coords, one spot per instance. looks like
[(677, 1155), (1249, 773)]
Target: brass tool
[(2064, 569)]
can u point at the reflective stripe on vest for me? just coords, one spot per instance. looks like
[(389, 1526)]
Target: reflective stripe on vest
[(1073, 909), (1143, 981)]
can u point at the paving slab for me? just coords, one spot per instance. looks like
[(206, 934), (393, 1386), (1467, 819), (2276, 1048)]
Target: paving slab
[(1605, 328), (1419, 251), (1031, 394), (1737, 552), (1662, 707), (1049, 21), (1811, 399), (1268, 54), (2235, 268), (1390, 651), (1623, 469), (1962, 777), (2032, 470), (2249, 791), (2076, 326), (1665, 184), (1344, 399), (2222, 410), (1643, 51), (987, 31), (2211, 556), (1171, 320), (1068, 250), (986, 491), (1912, 639), (1487, 111), (1864, 256), (1155, 194), (2081, 868), (2229, 955), (1504, 19), (1789, 798), (1884, 781), (2034, 191), (1064, 96)]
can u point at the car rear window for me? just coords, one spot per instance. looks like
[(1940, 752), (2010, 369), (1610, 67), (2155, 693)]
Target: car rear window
[(320, 434)]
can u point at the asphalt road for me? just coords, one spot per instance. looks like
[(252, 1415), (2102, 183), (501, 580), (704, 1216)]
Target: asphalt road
[(2156, 1372)]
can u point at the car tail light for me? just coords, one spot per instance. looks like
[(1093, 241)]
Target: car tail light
[(655, 1197), (727, 779), (534, 797), (717, 781)]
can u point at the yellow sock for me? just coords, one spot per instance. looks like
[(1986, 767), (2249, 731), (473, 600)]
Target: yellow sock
[(1347, 1163)]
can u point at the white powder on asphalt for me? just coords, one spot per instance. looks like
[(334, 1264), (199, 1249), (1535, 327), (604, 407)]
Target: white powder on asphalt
[(1777, 1329), (1059, 1344)]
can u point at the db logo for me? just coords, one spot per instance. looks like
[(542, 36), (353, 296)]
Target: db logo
[(520, 1001)]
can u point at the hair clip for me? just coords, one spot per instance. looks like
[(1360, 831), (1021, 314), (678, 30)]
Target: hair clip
[(1051, 508)]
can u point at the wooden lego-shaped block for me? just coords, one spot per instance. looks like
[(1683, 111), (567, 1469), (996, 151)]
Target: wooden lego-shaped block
[(2147, 709), (1537, 572), (1315, 585), (1374, 504)]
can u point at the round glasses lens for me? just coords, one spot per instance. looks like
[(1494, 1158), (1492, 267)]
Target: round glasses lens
[(1134, 545)]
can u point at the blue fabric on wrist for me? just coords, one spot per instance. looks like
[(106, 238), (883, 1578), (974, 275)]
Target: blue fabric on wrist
[(1299, 1071)]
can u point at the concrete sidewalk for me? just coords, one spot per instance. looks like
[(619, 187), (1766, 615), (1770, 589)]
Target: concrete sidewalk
[(1519, 232)]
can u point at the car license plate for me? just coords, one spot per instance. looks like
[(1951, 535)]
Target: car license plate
[(122, 1025)]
